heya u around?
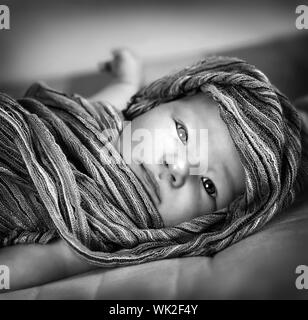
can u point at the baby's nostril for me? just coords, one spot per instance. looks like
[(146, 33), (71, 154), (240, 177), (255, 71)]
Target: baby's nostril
[(171, 179)]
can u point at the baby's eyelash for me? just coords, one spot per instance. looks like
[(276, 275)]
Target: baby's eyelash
[(181, 131), (208, 184)]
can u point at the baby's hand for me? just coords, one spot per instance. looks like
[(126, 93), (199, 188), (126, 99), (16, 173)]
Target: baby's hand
[(125, 67)]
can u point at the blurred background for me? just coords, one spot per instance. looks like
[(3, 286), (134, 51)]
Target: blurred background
[(60, 39)]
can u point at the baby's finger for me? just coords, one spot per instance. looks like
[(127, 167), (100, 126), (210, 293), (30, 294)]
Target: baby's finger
[(121, 53), (105, 66)]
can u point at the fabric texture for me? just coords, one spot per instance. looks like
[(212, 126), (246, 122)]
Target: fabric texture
[(267, 131), (61, 175)]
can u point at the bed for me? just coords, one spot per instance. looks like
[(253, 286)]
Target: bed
[(262, 266)]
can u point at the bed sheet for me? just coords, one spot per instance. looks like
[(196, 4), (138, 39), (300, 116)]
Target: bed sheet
[(262, 266)]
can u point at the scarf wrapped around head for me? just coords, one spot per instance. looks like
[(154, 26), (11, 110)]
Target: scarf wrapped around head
[(266, 130), (60, 175)]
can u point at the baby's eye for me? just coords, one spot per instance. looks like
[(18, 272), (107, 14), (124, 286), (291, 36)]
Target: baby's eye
[(182, 132), (209, 187)]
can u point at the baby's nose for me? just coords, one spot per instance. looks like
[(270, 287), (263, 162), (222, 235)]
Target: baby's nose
[(178, 169)]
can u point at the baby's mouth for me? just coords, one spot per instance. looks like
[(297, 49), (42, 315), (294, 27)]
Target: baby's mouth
[(150, 182)]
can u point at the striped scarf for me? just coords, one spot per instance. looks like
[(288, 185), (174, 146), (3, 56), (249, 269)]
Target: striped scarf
[(60, 175)]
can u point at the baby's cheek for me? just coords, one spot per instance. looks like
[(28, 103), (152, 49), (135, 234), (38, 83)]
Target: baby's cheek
[(180, 209)]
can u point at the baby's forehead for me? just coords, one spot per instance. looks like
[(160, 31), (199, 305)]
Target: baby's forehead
[(199, 110), (196, 104)]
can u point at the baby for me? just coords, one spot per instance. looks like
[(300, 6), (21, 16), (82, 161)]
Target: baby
[(179, 194), (227, 155)]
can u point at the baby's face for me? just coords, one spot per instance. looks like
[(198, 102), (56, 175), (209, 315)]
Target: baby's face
[(183, 154)]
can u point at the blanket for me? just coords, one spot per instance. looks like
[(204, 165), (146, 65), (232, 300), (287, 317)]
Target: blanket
[(61, 175)]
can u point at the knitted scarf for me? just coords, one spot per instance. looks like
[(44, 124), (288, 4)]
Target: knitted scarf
[(60, 175)]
